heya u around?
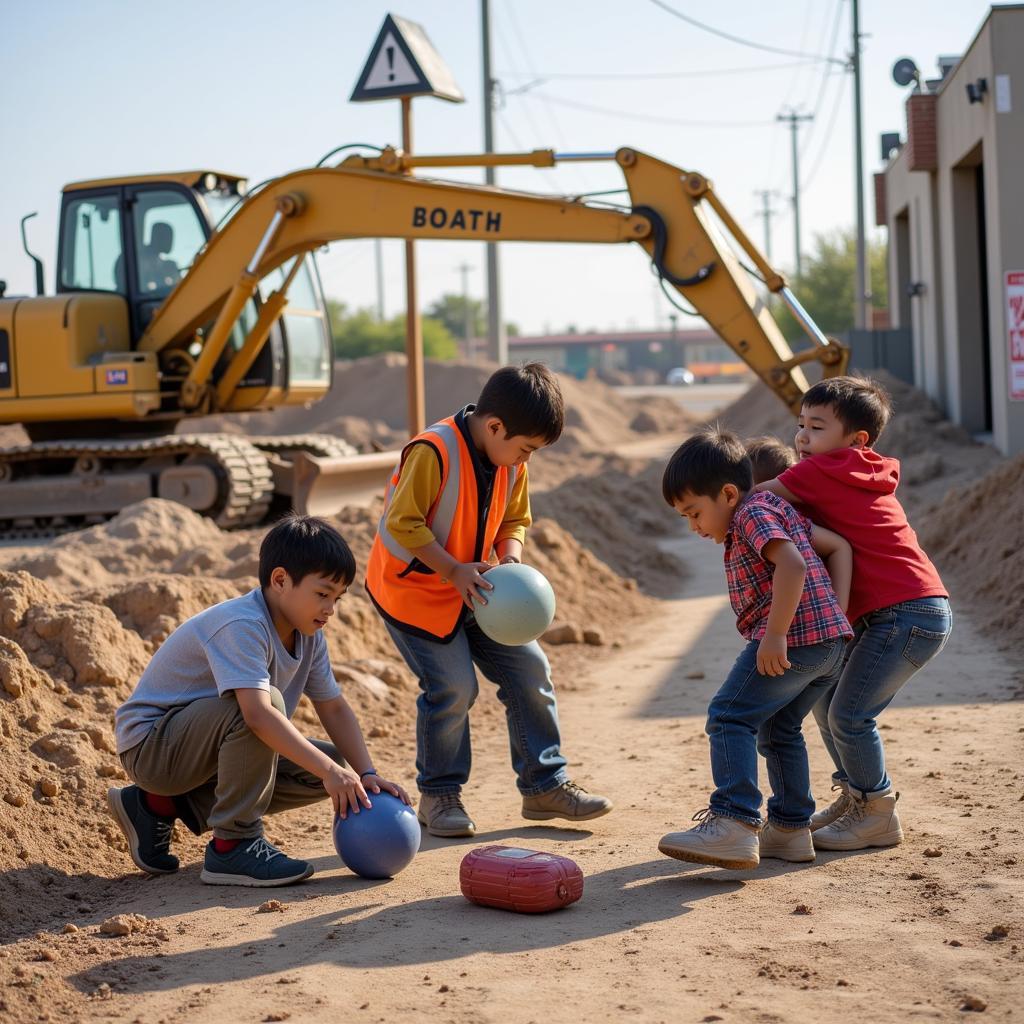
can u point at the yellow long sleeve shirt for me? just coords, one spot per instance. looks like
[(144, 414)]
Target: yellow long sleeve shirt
[(417, 490)]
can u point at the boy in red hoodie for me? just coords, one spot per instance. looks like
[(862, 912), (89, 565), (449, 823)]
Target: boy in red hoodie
[(898, 606)]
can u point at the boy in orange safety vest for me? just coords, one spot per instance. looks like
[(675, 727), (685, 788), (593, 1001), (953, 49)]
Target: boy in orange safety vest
[(459, 493)]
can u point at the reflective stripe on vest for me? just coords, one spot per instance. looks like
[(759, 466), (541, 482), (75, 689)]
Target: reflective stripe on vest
[(419, 600)]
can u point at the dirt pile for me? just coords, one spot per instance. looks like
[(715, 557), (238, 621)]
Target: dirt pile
[(935, 455), (367, 406), (976, 533)]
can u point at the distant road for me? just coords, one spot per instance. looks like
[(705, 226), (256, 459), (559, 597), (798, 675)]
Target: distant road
[(698, 399)]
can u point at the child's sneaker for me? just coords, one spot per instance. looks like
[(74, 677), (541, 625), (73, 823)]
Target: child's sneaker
[(253, 862), (443, 815), (792, 844), (869, 822), (836, 809), (723, 842), (148, 835), (567, 801)]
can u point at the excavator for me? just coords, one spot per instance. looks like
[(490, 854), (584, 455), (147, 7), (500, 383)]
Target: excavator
[(182, 295)]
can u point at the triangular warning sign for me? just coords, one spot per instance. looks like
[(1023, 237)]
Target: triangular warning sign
[(403, 62)]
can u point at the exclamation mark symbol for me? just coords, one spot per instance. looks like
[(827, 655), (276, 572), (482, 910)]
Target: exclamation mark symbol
[(390, 51)]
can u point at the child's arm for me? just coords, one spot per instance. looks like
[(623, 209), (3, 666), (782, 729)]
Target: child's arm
[(787, 589), (465, 577), (269, 725), (836, 553), (342, 726), (508, 545), (776, 488)]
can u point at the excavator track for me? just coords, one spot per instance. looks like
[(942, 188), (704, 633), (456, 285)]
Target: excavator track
[(321, 445), (80, 483)]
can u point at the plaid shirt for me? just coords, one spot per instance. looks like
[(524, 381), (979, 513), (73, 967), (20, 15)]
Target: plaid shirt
[(762, 517)]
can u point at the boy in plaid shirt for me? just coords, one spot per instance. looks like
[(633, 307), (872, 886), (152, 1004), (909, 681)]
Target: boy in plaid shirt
[(787, 609)]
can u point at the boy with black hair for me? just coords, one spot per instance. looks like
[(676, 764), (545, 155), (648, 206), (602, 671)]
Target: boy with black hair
[(898, 605), (795, 629), (458, 494), (768, 457), (206, 735)]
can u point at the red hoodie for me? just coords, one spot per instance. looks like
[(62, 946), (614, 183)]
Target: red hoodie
[(853, 492)]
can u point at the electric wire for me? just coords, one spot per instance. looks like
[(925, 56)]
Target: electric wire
[(737, 39), (840, 92), (543, 76), (651, 118)]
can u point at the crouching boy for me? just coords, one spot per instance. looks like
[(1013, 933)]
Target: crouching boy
[(206, 736)]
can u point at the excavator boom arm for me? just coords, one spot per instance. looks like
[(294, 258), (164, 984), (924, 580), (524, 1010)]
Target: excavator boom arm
[(379, 197)]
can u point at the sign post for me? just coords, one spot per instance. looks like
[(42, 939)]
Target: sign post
[(403, 63)]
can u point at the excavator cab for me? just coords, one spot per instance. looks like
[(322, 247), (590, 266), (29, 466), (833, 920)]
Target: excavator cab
[(138, 238)]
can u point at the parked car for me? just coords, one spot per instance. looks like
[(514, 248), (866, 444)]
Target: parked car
[(678, 376)]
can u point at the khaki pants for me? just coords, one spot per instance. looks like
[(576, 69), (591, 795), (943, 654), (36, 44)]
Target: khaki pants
[(222, 776)]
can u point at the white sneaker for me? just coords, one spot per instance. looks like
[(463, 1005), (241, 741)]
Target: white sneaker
[(869, 822), (836, 809), (723, 842), (792, 844)]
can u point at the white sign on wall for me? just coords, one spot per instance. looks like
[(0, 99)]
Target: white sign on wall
[(1015, 331)]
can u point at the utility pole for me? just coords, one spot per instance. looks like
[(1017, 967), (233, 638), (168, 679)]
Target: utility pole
[(378, 254), (767, 212), (861, 301), (794, 120), (497, 342), (468, 330)]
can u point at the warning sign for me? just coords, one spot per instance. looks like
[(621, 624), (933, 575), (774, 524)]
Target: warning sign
[(1015, 331), (403, 62)]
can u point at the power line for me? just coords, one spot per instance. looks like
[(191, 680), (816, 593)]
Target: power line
[(737, 39), (823, 85), (653, 119), (828, 133), (543, 76)]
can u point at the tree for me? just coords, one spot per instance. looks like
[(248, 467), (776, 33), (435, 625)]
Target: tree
[(451, 310), (826, 289), (360, 333)]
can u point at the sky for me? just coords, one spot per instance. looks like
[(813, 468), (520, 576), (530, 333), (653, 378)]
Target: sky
[(112, 87)]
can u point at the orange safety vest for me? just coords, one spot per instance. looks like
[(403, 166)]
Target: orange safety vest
[(408, 593)]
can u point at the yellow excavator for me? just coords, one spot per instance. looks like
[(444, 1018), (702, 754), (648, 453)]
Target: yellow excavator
[(179, 295)]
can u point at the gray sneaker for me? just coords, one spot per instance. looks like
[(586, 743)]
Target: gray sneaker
[(443, 815), (253, 862), (836, 809), (723, 842), (792, 844), (568, 801)]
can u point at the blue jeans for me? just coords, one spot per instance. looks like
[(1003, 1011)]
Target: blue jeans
[(448, 689), (752, 714), (888, 647)]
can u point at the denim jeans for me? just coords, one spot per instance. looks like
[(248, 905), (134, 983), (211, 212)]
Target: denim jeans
[(888, 647), (448, 689), (752, 714)]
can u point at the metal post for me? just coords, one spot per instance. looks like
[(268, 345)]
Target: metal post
[(378, 256), (861, 300), (497, 342), (468, 330), (794, 120), (767, 212), (413, 328)]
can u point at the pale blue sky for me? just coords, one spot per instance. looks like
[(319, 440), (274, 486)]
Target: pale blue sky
[(110, 87)]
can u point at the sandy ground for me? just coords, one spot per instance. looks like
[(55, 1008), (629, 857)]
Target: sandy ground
[(894, 935)]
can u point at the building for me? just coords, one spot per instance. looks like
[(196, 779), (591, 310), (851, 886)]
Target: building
[(953, 202), (599, 352)]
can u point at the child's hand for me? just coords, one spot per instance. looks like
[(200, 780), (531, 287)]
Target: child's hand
[(345, 790), (467, 578), (374, 783), (771, 655)]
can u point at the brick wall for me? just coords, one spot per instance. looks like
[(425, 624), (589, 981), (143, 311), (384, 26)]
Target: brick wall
[(881, 212), (922, 143)]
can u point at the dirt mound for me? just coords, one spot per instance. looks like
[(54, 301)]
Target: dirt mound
[(367, 406), (935, 455), (976, 533)]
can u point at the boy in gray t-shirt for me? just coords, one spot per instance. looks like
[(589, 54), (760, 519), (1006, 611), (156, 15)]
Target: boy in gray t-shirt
[(207, 737)]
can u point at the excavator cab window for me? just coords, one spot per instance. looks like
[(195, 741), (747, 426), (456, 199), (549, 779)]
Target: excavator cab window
[(92, 253), (168, 234), (309, 345)]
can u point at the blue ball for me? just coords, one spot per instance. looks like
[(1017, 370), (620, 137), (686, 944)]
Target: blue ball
[(379, 841)]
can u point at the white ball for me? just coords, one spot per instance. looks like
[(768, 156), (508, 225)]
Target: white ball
[(519, 608)]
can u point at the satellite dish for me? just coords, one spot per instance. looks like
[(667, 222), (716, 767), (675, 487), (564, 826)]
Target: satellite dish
[(904, 71)]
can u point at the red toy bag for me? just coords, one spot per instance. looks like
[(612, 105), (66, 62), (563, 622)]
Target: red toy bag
[(526, 881)]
